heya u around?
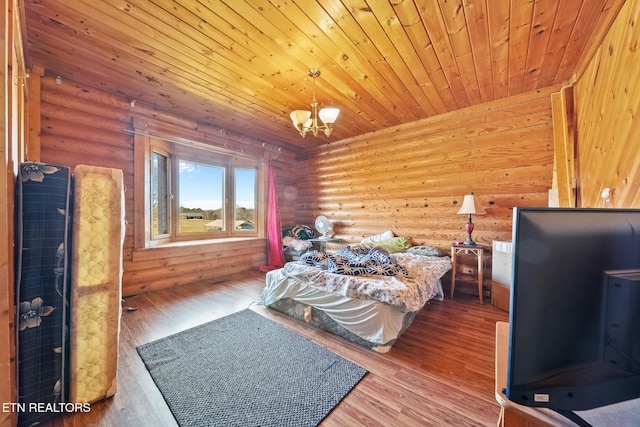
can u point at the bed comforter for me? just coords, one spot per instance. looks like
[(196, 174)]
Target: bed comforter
[(409, 292)]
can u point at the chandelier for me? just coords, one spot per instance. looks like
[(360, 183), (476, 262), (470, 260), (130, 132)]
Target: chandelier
[(305, 121)]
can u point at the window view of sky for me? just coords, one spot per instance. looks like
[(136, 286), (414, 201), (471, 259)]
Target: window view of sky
[(201, 186)]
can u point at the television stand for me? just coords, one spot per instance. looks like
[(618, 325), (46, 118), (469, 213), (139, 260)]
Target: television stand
[(515, 415)]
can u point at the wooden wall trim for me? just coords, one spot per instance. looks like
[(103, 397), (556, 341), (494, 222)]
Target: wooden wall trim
[(564, 153), (141, 214), (33, 115), (7, 388), (10, 152)]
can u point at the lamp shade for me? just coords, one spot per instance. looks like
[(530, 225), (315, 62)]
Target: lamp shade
[(329, 115), (470, 206), (300, 117)]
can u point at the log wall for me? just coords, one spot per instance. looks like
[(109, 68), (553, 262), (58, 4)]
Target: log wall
[(607, 98), (412, 178), (85, 126), (409, 178)]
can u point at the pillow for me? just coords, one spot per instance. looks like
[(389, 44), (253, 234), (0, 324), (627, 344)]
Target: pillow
[(392, 245), (296, 244), (300, 232), (426, 251), (378, 237)]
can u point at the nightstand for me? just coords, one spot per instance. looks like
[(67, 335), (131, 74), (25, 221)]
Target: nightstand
[(322, 242), (477, 250)]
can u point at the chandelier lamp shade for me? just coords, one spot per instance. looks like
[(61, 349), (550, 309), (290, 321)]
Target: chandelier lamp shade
[(309, 121), (470, 206)]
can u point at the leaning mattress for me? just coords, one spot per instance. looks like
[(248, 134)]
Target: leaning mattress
[(96, 276), (42, 221)]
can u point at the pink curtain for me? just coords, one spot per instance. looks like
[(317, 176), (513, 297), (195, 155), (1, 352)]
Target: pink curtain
[(275, 256)]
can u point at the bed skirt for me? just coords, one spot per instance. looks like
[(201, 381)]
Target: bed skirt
[(322, 320)]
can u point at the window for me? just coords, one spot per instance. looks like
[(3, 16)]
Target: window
[(160, 195), (194, 192), (245, 198), (201, 197)]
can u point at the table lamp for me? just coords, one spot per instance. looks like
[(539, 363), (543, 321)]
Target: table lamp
[(470, 207)]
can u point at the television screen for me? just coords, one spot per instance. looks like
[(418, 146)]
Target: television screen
[(574, 340)]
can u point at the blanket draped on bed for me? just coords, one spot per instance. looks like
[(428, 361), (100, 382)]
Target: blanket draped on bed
[(409, 292), (355, 262)]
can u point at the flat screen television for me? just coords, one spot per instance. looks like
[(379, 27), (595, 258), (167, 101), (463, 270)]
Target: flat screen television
[(574, 336)]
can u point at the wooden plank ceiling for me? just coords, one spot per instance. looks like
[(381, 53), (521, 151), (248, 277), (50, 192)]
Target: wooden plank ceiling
[(242, 64)]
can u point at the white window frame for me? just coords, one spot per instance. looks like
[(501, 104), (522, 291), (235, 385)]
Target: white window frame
[(163, 150), (200, 153)]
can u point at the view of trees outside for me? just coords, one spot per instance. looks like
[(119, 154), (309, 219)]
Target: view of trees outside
[(196, 220), (201, 194), (159, 189), (245, 185), (201, 191)]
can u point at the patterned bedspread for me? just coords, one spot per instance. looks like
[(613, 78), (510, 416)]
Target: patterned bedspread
[(355, 262), (408, 291)]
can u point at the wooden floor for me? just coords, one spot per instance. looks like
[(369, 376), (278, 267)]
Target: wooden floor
[(439, 373)]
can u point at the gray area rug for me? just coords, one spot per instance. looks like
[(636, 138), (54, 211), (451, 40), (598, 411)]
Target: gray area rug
[(245, 370)]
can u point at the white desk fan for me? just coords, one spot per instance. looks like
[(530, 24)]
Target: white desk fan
[(323, 226)]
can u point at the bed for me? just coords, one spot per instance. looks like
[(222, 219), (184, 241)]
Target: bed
[(372, 307)]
